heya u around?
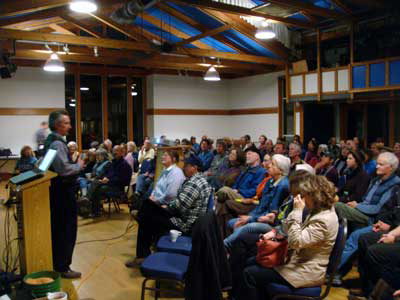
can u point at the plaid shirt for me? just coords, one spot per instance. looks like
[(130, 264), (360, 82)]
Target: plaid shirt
[(191, 202)]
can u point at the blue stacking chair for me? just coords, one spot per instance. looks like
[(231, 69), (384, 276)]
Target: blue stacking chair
[(281, 291), (183, 244)]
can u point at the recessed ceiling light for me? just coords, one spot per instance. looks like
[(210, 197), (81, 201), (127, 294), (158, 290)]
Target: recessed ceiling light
[(84, 88), (83, 6)]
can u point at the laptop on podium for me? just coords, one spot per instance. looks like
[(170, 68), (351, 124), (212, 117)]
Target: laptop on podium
[(36, 173)]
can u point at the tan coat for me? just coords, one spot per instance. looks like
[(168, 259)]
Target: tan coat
[(310, 245)]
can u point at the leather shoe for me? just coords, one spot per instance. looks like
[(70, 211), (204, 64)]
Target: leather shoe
[(134, 263), (70, 274)]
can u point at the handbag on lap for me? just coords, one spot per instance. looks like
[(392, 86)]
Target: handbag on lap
[(272, 252)]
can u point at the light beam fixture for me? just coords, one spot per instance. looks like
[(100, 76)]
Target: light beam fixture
[(83, 6), (212, 75), (54, 64), (265, 32)]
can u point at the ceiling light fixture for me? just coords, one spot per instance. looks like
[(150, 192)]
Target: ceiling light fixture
[(212, 75), (83, 6), (66, 49), (54, 64), (265, 32), (84, 88), (72, 104), (96, 51)]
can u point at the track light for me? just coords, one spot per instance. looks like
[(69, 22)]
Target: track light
[(54, 64), (96, 51), (83, 6)]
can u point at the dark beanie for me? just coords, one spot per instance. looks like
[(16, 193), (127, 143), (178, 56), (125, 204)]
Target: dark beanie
[(194, 161)]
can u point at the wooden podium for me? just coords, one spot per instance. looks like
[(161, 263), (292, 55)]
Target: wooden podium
[(34, 225)]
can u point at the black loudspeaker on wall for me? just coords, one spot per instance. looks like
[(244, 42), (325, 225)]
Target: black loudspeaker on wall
[(8, 67)]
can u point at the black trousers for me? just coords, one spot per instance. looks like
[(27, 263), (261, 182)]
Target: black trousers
[(64, 221), (154, 221), (373, 258), (97, 192), (249, 280)]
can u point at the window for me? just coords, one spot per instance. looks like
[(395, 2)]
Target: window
[(91, 110), (117, 110), (70, 104)]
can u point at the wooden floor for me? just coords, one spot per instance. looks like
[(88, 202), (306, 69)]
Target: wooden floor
[(105, 276)]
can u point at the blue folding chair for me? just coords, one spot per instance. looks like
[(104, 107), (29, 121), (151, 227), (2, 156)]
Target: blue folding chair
[(183, 244), (281, 291)]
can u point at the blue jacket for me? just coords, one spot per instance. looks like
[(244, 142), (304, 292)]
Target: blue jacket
[(380, 197), (148, 165), (206, 158), (271, 199), (248, 181), (370, 167)]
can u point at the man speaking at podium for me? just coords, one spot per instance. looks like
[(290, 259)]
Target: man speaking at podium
[(63, 205)]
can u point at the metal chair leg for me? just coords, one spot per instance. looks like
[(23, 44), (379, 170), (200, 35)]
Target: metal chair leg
[(143, 288), (157, 292)]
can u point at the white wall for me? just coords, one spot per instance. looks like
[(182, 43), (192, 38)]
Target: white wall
[(28, 88), (254, 92), (194, 93), (180, 92)]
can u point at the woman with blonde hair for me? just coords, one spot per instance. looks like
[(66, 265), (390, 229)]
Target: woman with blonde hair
[(27, 161), (132, 155), (310, 241)]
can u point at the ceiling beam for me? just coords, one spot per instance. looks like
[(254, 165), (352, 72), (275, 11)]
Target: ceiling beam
[(35, 24), (227, 8), (124, 29), (129, 45), (12, 7), (249, 30), (308, 7), (200, 27), (124, 61), (61, 29), (53, 12), (80, 25), (162, 25), (342, 6), (210, 32)]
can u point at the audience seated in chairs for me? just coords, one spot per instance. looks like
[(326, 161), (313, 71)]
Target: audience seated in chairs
[(333, 147), (379, 257), (311, 156), (245, 186), (206, 156), (370, 162), (195, 146), (229, 170), (341, 161), (245, 142), (144, 182), (180, 213), (275, 191), (295, 156), (310, 243), (280, 148), (262, 145), (388, 218), (326, 168), (146, 152), (355, 179), (86, 174), (73, 151), (27, 160), (220, 158), (132, 156), (114, 181), (379, 191)]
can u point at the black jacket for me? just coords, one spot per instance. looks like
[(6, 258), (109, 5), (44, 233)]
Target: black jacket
[(208, 271), (356, 185), (390, 212)]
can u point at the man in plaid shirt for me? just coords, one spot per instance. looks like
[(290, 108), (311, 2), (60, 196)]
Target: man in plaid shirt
[(181, 213)]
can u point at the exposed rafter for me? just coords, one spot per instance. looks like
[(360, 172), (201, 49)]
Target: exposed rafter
[(308, 7), (124, 29), (248, 30), (80, 25), (44, 14), (60, 29), (167, 27), (210, 32), (226, 8), (118, 44), (219, 37), (342, 6), (12, 8)]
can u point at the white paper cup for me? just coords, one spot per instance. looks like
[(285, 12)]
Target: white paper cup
[(57, 295), (174, 234)]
